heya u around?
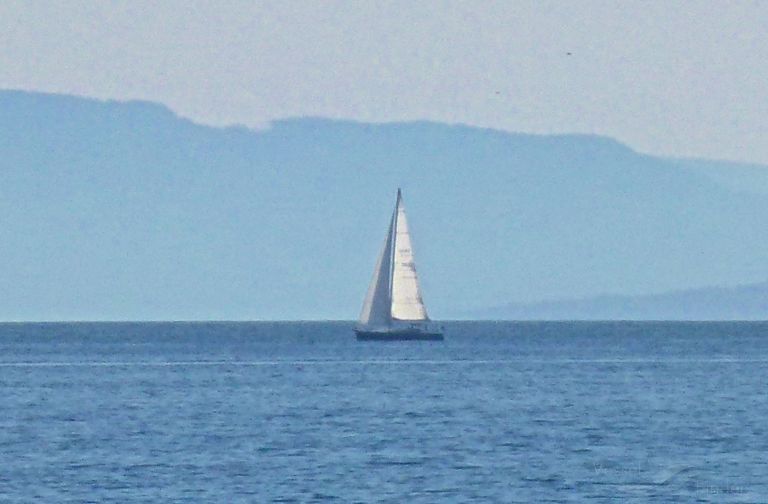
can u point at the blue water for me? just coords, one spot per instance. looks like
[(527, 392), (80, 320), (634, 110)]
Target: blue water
[(301, 412)]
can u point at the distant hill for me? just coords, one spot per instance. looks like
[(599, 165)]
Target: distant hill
[(747, 302), (115, 210), (741, 177)]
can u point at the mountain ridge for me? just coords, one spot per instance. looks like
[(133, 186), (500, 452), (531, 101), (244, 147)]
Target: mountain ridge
[(125, 210)]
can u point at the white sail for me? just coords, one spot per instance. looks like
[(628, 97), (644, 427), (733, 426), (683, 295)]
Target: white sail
[(376, 307), (405, 292)]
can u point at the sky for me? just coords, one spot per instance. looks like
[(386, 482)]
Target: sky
[(684, 79)]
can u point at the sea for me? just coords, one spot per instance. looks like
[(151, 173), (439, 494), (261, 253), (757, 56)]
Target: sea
[(240, 412)]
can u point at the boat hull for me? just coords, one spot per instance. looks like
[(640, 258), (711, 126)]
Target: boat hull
[(398, 335)]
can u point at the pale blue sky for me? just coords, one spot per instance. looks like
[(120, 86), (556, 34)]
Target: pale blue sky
[(671, 78)]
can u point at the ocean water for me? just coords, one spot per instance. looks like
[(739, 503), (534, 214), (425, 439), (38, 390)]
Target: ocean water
[(301, 412)]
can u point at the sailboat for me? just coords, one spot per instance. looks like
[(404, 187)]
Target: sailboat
[(393, 308)]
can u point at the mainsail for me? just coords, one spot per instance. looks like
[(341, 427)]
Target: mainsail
[(394, 292), (406, 294)]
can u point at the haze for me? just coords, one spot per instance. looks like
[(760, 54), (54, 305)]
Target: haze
[(667, 78)]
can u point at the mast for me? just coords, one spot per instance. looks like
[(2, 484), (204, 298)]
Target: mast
[(393, 230)]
